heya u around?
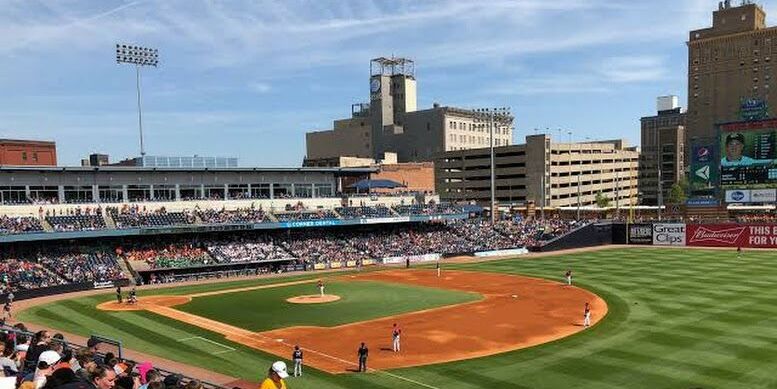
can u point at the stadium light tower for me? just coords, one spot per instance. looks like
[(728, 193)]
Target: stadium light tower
[(493, 117), (138, 56)]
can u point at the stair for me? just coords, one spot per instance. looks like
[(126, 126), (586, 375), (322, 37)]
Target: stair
[(109, 222), (133, 277), (46, 226)]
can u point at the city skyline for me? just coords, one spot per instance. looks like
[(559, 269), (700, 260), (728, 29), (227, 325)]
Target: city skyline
[(251, 79)]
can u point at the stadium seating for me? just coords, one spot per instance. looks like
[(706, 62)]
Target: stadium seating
[(364, 212), (305, 215), (76, 222), (133, 217), (223, 216), (19, 225)]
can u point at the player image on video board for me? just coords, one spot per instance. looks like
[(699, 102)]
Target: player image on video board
[(748, 154), (733, 152)]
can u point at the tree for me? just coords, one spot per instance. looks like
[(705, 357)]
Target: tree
[(602, 201), (677, 194)]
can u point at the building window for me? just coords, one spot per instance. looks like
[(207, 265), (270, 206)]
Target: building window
[(35, 157), (24, 155)]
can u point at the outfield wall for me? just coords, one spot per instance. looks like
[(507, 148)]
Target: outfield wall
[(758, 235)]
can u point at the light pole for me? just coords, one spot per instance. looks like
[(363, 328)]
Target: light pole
[(138, 56), (493, 117)]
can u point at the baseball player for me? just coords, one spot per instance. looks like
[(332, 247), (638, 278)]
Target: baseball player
[(739, 252), (568, 275), (321, 287), (363, 353), (438, 268), (296, 356), (587, 316), (133, 296), (395, 334), (7, 311), (118, 294)]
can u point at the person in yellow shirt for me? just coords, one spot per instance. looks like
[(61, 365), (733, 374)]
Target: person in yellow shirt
[(275, 377)]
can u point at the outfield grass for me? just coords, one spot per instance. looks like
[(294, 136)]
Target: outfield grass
[(267, 309), (677, 319)]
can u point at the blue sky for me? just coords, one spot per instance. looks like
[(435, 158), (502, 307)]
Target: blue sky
[(249, 78)]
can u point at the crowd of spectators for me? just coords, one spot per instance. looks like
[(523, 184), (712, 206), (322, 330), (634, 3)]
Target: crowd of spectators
[(41, 360), (133, 216), (245, 250), (427, 209), (240, 215), (167, 256), (18, 274), (82, 264), (305, 215), (76, 223), (19, 225), (364, 212)]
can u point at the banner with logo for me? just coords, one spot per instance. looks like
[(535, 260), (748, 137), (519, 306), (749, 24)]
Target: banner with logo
[(640, 234), (669, 234), (738, 196), (732, 235), (703, 166), (412, 258), (763, 195)]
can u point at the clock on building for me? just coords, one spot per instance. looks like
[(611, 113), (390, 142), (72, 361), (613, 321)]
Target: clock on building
[(374, 85)]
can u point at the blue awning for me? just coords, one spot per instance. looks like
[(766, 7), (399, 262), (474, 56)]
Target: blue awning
[(376, 184)]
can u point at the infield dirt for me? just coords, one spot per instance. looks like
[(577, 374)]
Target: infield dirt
[(542, 311)]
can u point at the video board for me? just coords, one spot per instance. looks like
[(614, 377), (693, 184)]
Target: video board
[(748, 154)]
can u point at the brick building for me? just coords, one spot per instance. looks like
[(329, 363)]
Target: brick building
[(27, 152)]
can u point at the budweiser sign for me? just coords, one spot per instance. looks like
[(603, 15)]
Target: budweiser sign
[(727, 236)]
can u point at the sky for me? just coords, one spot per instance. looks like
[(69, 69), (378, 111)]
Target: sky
[(249, 78)]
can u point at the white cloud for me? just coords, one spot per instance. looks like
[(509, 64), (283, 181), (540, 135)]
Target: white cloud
[(259, 87), (640, 68)]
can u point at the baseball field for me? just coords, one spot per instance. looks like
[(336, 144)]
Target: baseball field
[(675, 318)]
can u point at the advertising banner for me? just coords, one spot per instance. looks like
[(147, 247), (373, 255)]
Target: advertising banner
[(496, 253), (669, 234), (335, 265), (763, 195), (640, 234), (350, 264), (368, 262), (732, 235), (319, 266), (413, 258), (738, 196)]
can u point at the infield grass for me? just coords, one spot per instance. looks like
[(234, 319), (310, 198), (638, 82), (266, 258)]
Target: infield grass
[(678, 318), (267, 309)]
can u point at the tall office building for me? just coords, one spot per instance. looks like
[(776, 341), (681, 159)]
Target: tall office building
[(662, 157), (391, 122), (728, 63)]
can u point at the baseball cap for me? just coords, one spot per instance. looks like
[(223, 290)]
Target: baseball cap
[(736, 136), (280, 368), (50, 357)]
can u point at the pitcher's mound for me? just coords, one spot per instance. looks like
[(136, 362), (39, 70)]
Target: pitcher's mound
[(313, 299)]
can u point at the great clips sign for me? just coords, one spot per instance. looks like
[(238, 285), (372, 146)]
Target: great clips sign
[(732, 235), (669, 234)]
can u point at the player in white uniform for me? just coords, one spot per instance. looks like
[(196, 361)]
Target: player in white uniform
[(438, 268), (568, 275), (321, 287), (396, 332), (587, 316)]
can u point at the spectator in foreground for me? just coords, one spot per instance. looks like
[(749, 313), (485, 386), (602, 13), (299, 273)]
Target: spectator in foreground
[(275, 377), (102, 378)]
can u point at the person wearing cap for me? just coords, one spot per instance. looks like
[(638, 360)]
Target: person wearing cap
[(735, 145), (46, 365), (275, 377), (296, 356)]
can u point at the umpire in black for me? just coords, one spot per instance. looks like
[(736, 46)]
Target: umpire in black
[(363, 353)]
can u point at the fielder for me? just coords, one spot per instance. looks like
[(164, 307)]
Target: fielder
[(296, 356), (321, 287), (395, 334), (568, 275), (739, 252), (438, 268), (587, 316)]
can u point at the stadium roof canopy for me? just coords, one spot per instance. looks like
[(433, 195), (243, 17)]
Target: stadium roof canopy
[(376, 184)]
